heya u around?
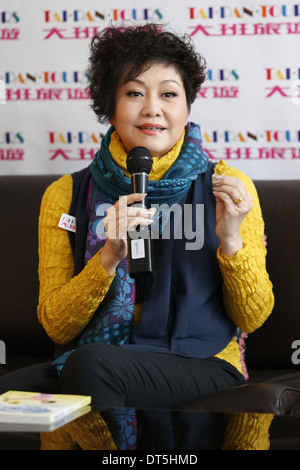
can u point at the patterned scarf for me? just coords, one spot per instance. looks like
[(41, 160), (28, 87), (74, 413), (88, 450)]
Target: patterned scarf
[(171, 188)]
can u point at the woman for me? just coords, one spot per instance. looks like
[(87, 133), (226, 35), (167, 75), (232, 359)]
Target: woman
[(177, 343)]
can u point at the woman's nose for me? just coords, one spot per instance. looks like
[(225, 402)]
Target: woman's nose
[(151, 107)]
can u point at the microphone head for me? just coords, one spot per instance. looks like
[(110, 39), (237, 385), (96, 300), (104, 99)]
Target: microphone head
[(139, 160)]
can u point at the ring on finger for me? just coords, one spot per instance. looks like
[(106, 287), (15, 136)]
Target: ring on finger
[(238, 200)]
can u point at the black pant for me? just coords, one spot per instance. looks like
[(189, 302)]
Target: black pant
[(117, 376), (120, 377)]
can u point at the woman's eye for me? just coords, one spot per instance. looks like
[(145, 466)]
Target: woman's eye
[(169, 94), (133, 93)]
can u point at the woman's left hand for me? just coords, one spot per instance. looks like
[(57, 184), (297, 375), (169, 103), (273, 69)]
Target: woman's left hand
[(233, 204)]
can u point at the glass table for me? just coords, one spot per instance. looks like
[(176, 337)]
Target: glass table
[(284, 431)]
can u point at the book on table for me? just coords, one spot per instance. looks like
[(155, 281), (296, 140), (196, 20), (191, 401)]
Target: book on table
[(18, 407)]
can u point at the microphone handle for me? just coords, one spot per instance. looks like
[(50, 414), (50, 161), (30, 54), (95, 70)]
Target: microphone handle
[(140, 256), (139, 182)]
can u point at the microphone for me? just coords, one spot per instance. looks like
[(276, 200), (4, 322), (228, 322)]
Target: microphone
[(140, 259)]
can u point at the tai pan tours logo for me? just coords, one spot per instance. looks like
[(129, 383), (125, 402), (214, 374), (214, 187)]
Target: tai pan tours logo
[(242, 12), (236, 20), (55, 85), (221, 83), (85, 24), (246, 144), (267, 135), (93, 16), (283, 82), (73, 145), (12, 146), (9, 25)]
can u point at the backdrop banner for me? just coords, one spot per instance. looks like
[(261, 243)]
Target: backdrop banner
[(248, 108)]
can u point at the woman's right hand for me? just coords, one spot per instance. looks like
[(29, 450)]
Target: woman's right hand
[(119, 219)]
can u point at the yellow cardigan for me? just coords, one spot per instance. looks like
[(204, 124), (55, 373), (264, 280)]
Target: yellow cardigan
[(66, 303)]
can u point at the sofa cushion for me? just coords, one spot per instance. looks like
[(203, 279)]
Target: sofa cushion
[(20, 198), (276, 392), (14, 362), (270, 347)]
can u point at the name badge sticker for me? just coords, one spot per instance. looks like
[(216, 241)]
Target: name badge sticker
[(67, 222), (138, 248)]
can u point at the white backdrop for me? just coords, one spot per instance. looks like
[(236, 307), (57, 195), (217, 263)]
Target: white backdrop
[(248, 109)]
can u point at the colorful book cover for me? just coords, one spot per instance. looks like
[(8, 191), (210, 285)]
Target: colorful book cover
[(38, 408)]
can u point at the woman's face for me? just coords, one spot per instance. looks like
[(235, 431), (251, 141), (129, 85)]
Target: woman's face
[(151, 110)]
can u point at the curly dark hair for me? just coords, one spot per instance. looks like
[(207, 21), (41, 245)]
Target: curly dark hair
[(120, 54)]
